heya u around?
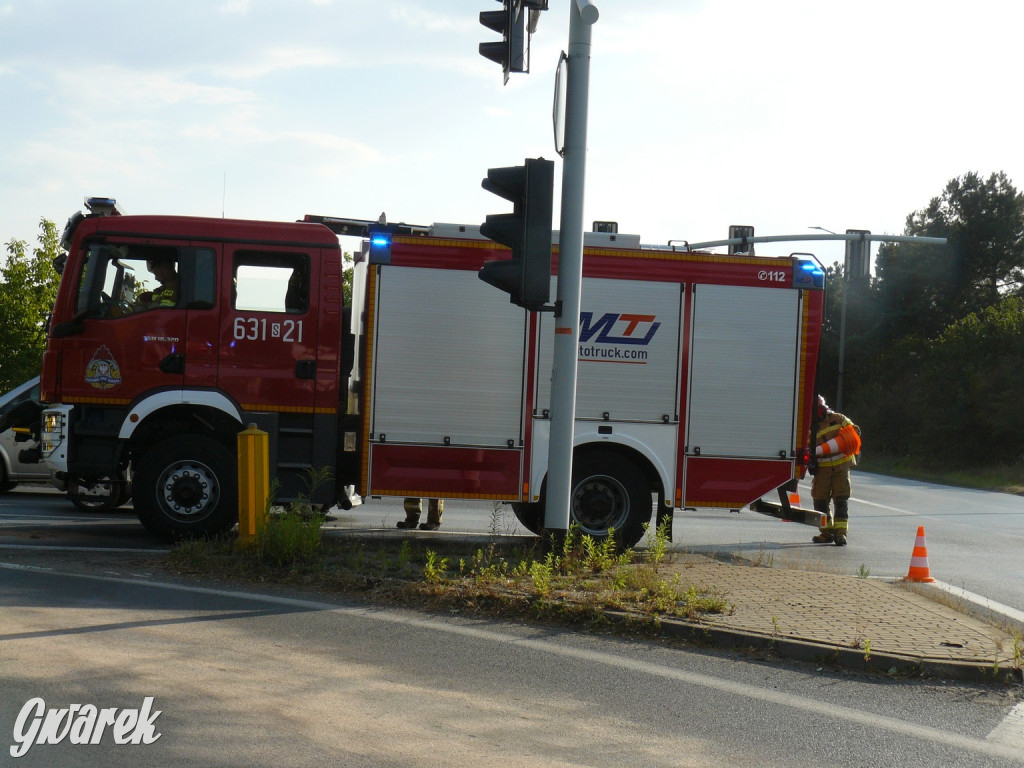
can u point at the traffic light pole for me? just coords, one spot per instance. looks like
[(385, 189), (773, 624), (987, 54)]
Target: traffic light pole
[(582, 15)]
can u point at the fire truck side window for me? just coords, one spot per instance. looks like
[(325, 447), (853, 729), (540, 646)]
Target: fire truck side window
[(126, 279), (271, 282)]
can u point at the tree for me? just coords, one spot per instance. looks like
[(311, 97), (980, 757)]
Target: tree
[(856, 341), (969, 389), (828, 355), (346, 277), (939, 340), (28, 288), (923, 289)]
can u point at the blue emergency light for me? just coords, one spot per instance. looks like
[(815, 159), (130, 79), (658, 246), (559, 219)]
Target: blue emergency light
[(380, 246), (807, 274), (102, 206)]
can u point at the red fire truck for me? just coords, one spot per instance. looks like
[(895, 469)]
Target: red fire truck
[(696, 370)]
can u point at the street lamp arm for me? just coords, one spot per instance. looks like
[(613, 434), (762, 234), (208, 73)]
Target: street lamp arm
[(588, 11), (802, 237)]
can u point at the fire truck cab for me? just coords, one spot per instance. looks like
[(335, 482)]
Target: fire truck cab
[(247, 330)]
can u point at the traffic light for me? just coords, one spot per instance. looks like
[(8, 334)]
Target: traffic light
[(511, 51), (858, 255), (736, 230), (526, 277)]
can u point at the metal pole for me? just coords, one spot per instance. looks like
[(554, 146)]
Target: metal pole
[(582, 14), (920, 240), (842, 343)]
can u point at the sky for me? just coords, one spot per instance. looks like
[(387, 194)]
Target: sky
[(782, 115)]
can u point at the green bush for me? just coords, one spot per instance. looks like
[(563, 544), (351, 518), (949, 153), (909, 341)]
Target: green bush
[(290, 537)]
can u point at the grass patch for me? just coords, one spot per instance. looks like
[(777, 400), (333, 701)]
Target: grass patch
[(1007, 478), (581, 580)]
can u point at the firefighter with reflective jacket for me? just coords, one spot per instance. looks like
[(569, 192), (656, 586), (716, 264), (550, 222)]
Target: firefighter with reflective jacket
[(838, 443), (165, 294)]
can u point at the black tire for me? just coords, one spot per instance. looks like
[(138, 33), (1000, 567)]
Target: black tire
[(610, 491), (186, 487), (124, 494), (531, 516), (5, 484)]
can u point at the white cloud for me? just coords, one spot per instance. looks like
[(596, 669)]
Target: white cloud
[(277, 60), (131, 91), (236, 7), (431, 21)]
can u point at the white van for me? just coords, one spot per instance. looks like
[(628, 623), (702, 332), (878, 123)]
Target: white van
[(13, 471)]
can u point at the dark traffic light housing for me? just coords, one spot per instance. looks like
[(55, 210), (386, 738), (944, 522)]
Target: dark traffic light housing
[(511, 51), (739, 230), (857, 262), (526, 277)]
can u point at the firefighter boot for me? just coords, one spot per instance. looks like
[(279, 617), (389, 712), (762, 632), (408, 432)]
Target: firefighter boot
[(413, 509), (842, 523), (825, 535), (435, 509)]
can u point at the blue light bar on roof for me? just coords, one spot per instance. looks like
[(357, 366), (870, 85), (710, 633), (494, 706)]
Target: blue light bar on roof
[(102, 206)]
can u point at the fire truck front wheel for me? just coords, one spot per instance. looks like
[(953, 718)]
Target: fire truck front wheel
[(186, 486), (610, 492)]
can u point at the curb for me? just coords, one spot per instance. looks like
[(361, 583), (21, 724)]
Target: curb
[(853, 659), (977, 606)]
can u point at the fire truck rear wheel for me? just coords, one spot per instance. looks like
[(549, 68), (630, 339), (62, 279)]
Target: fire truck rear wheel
[(531, 515), (609, 491), (186, 486)]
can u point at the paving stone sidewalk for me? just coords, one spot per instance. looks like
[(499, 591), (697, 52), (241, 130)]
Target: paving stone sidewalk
[(848, 620)]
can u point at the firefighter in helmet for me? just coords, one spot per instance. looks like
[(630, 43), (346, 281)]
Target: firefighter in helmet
[(838, 443)]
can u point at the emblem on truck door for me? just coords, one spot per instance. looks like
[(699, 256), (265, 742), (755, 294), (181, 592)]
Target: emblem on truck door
[(103, 372)]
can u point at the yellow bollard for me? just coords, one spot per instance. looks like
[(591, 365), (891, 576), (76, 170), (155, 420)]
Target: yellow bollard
[(253, 484)]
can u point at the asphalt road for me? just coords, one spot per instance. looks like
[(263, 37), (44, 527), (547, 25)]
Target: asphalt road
[(300, 680)]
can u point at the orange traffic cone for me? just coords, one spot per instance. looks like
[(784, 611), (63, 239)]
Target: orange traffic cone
[(919, 560), (794, 499)]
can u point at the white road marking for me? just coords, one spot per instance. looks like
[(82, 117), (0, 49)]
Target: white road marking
[(855, 500), (52, 548), (806, 491), (1011, 731)]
